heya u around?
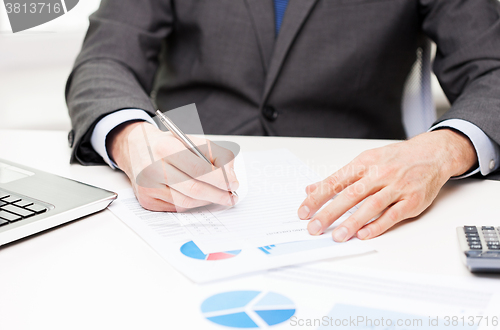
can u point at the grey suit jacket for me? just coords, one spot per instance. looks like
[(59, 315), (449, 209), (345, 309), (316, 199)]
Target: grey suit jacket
[(336, 69)]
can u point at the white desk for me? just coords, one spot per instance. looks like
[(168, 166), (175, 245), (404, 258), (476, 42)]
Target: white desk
[(95, 273)]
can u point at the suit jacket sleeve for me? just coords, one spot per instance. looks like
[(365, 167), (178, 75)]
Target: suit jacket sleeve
[(116, 67), (467, 63)]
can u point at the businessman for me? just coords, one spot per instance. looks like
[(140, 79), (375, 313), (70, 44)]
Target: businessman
[(316, 68)]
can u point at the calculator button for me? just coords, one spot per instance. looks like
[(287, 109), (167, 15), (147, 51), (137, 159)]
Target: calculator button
[(494, 247), (473, 254), (473, 239), (3, 195), (475, 246), (489, 232), (488, 228), (2, 203), (3, 222), (490, 254), (470, 229), (472, 234)]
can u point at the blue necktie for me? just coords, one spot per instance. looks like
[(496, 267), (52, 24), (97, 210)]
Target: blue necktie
[(279, 12)]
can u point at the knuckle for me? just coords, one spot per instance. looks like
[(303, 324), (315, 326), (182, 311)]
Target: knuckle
[(332, 180), (376, 202), (351, 193), (385, 172), (414, 200), (313, 199), (367, 156), (327, 215), (393, 215), (353, 223), (376, 228)]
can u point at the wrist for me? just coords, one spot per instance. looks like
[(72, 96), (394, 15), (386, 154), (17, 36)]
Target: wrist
[(460, 153), (117, 142)]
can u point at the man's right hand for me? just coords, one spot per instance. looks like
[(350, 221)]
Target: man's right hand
[(175, 179)]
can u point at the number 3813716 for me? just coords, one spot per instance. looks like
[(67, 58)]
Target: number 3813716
[(33, 8)]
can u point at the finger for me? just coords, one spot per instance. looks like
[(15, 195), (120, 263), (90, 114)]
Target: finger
[(156, 205), (310, 188), (194, 188), (223, 158), (372, 207), (346, 200), (181, 201), (391, 216), (326, 189), (199, 169)]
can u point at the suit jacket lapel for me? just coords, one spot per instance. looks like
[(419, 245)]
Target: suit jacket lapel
[(295, 15), (262, 12)]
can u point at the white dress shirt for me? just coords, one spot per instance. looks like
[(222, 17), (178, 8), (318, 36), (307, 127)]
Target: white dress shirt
[(487, 150), (108, 123)]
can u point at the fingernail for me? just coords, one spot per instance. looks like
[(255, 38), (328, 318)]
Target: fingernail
[(314, 227), (304, 212), (363, 233), (340, 234)]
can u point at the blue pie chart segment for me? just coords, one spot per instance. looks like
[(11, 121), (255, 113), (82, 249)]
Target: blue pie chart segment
[(191, 250), (247, 309), (236, 320)]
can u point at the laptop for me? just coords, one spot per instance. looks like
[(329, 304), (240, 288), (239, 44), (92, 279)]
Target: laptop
[(32, 201)]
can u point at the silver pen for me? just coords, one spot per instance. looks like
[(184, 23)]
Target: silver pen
[(177, 133)]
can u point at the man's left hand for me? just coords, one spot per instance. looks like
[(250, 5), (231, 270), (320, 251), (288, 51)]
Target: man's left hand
[(399, 181)]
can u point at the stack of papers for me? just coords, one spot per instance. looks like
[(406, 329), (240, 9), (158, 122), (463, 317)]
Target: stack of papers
[(261, 232)]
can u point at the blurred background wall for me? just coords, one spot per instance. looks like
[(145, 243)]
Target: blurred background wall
[(35, 64)]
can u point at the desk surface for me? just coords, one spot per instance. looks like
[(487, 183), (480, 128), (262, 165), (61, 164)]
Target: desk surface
[(97, 273)]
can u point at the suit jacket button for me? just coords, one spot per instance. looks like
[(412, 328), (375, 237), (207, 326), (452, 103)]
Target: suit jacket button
[(270, 113), (71, 138)]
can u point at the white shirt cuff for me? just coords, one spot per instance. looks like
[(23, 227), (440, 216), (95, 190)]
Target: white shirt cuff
[(487, 150), (108, 123)]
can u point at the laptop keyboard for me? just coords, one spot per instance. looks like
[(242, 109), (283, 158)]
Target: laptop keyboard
[(14, 208)]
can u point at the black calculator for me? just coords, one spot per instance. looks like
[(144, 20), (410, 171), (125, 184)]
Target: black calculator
[(481, 247)]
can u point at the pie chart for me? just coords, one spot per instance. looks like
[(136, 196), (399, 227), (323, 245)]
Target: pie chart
[(248, 309), (191, 250)]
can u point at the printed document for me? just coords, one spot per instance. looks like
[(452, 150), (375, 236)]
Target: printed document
[(261, 232), (272, 188), (164, 233)]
